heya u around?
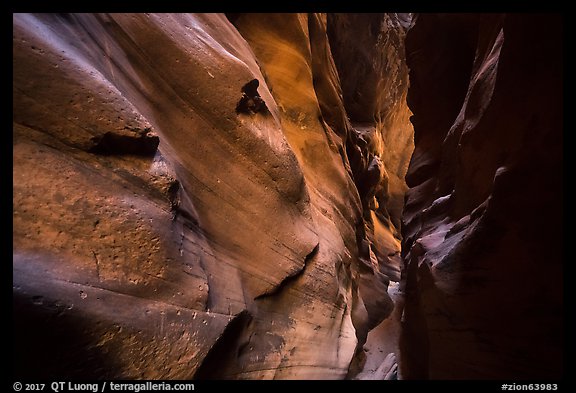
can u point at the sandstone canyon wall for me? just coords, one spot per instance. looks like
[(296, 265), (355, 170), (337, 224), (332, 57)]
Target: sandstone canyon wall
[(236, 196), (482, 224), (195, 198)]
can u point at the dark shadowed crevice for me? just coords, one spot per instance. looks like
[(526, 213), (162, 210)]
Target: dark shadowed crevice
[(36, 348), (212, 363), (134, 141), (251, 103), (291, 278)]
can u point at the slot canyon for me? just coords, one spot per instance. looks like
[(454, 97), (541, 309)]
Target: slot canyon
[(288, 196)]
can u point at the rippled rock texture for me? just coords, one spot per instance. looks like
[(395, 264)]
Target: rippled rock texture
[(200, 199), (482, 224)]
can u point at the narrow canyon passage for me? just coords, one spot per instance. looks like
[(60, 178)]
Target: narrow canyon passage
[(287, 196)]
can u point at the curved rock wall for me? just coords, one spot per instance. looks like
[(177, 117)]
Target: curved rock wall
[(374, 81), (185, 204), (482, 225)]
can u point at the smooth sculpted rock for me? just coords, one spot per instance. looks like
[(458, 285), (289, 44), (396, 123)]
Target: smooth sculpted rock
[(184, 203), (108, 226), (482, 225), (378, 142)]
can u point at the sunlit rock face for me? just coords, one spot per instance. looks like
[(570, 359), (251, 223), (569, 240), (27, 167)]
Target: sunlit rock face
[(482, 224), (379, 143), (200, 199)]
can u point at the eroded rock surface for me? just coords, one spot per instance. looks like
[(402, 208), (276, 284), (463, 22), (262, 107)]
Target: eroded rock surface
[(193, 199), (379, 142), (482, 224)]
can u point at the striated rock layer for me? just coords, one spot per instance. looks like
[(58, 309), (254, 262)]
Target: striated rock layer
[(197, 199), (482, 224), (374, 80)]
